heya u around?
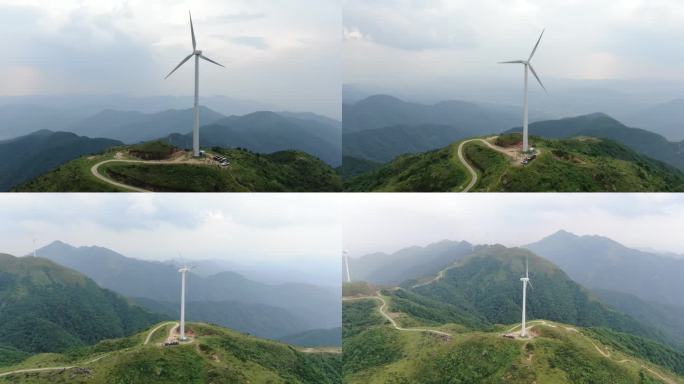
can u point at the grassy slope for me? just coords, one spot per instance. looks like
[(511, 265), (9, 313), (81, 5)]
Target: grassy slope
[(376, 353), (570, 165), (280, 171), (432, 171), (218, 355)]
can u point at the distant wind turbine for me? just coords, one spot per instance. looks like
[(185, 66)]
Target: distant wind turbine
[(345, 255), (525, 280), (198, 54), (528, 65)]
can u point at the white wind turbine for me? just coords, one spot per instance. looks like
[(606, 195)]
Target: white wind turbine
[(346, 264), (525, 280), (528, 66), (183, 271), (195, 111)]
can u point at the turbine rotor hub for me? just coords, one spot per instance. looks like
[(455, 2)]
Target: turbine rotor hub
[(197, 52)]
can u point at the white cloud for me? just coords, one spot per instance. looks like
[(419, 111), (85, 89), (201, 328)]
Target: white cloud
[(127, 46), (389, 222)]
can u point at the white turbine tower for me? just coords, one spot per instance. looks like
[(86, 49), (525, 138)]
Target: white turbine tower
[(525, 280), (346, 264), (183, 271), (34, 247), (195, 111), (528, 66)]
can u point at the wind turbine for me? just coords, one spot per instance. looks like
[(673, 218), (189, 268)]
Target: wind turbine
[(195, 111), (346, 264), (183, 271), (528, 66), (525, 280)]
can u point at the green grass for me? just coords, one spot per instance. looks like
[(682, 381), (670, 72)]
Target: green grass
[(508, 139), (74, 176), (426, 172), (152, 150), (488, 163), (568, 165), (356, 288), (217, 355), (291, 171)]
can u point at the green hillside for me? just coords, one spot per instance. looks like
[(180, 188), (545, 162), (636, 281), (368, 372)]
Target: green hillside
[(486, 285), (434, 171), (26, 157), (558, 353), (215, 355), (603, 126), (49, 308), (567, 165), (248, 172)]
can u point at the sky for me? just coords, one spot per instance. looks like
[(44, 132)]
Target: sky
[(423, 42), (284, 53), (300, 230), (390, 222)]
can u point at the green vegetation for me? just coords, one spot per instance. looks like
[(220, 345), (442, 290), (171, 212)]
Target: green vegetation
[(568, 165), (358, 288), (484, 289), (27, 157), (489, 164), (216, 355), (152, 150), (425, 172), (640, 347), (508, 139), (49, 308), (354, 166), (316, 338), (293, 171), (558, 353), (359, 315)]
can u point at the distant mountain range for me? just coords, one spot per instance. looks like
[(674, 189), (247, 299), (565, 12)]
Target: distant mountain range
[(155, 285), (25, 157), (666, 119), (601, 263), (49, 308), (380, 111), (267, 132), (408, 263), (133, 127)]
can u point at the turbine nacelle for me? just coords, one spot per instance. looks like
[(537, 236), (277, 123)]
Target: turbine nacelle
[(197, 52)]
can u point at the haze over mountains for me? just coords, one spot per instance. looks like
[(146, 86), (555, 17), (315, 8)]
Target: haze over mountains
[(225, 298)]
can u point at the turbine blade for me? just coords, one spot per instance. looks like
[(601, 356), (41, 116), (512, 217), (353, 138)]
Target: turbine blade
[(526, 268), (512, 62), (192, 31), (530, 283), (178, 66), (536, 45), (211, 61), (537, 77)]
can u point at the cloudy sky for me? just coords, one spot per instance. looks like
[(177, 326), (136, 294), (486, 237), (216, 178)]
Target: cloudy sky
[(284, 53), (248, 229), (390, 42), (389, 222)]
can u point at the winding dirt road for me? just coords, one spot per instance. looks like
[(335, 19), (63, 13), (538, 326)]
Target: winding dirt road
[(47, 369), (149, 335), (391, 320)]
